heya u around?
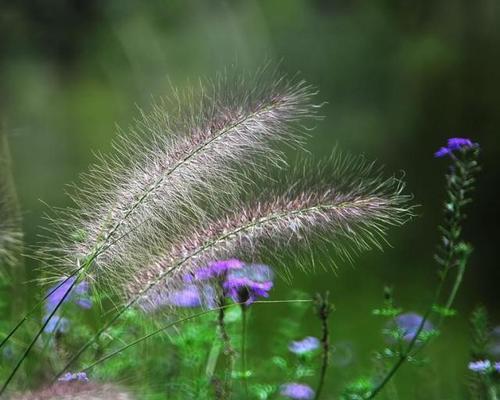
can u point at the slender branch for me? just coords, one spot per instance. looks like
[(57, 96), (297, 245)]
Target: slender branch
[(323, 310)]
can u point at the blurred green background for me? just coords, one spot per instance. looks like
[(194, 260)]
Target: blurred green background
[(399, 77)]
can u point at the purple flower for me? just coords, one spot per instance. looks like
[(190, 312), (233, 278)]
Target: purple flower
[(408, 325), (192, 296), (78, 295), (297, 391), (245, 285), (454, 144), (305, 345), (56, 325), (188, 296), (480, 366), (215, 269), (497, 367), (78, 377)]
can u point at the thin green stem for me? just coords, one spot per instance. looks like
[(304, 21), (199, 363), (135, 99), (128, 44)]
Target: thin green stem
[(244, 316), (228, 348), (323, 309)]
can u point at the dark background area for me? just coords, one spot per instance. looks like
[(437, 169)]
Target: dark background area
[(399, 77)]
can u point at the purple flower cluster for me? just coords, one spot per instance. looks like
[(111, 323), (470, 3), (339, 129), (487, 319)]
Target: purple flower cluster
[(243, 283), (70, 377), (306, 345), (79, 295), (480, 366), (192, 296), (214, 270), (297, 391), (407, 324), (247, 284), (484, 366), (454, 144)]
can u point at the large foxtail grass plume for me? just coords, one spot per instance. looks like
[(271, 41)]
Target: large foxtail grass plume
[(187, 150), (344, 208)]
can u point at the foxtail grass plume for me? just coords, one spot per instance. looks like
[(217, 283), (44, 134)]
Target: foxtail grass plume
[(189, 150), (349, 207)]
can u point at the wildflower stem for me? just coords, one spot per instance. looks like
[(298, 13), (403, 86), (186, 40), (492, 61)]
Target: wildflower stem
[(323, 309), (228, 348), (244, 318)]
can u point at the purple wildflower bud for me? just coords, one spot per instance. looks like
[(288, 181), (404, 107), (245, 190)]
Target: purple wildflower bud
[(214, 270), (246, 284), (79, 294), (297, 391), (480, 366), (454, 144), (496, 366), (188, 296), (70, 377), (408, 325), (443, 151), (56, 325), (458, 143), (305, 345)]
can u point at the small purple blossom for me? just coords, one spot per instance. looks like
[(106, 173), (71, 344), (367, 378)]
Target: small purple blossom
[(214, 270), (247, 284), (454, 144), (188, 296), (192, 296), (496, 366), (70, 377), (480, 366), (306, 345), (409, 323), (78, 295), (297, 391)]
